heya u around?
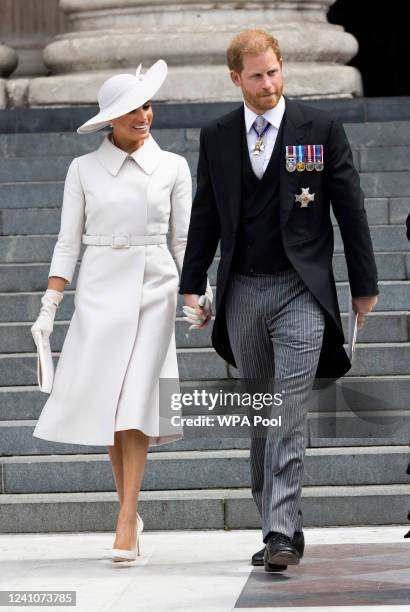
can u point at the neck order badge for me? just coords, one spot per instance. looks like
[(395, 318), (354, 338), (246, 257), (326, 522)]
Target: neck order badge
[(261, 126)]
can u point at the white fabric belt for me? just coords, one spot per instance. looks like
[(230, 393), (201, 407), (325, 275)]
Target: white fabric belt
[(124, 241)]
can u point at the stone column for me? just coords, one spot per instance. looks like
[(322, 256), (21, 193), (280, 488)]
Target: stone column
[(110, 36), (8, 60), (8, 63)]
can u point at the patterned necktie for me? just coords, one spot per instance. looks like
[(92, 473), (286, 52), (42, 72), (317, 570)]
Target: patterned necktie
[(258, 161)]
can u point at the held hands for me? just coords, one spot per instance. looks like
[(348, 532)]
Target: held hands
[(198, 309), (362, 306), (45, 321)]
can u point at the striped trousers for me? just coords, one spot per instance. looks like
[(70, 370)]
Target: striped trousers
[(275, 327)]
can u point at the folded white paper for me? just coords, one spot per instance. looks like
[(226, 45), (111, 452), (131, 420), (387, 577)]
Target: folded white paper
[(352, 330), (45, 366)]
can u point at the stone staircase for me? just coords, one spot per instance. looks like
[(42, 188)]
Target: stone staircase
[(355, 477)]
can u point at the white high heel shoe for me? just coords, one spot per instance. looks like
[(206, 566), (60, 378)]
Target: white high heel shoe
[(119, 555), (140, 524)]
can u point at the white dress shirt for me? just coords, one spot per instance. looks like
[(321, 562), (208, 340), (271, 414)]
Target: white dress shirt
[(274, 116)]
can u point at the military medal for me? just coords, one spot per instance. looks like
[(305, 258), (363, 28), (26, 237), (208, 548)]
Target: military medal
[(305, 197), (310, 165), (318, 149), (300, 166), (259, 145), (290, 159)]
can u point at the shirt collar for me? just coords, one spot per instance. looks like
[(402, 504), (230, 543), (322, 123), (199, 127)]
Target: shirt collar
[(112, 157), (273, 115)]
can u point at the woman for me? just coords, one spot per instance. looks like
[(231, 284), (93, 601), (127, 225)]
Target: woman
[(120, 341)]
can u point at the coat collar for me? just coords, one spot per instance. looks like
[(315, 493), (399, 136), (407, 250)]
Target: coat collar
[(273, 115), (112, 157)]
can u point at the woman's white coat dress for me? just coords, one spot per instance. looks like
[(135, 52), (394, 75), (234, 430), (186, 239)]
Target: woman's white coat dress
[(121, 339)]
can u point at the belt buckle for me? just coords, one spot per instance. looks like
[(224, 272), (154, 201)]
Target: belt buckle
[(122, 241)]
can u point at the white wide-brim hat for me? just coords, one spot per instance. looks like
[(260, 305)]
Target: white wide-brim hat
[(123, 93)]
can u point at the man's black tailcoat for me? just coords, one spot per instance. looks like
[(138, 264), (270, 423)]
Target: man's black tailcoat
[(307, 233)]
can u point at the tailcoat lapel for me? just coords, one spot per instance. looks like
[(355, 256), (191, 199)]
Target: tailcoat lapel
[(230, 130), (296, 130)]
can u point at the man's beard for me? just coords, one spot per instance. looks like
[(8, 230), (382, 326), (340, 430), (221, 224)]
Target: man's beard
[(266, 101)]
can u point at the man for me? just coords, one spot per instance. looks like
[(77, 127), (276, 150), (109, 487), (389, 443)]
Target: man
[(266, 175)]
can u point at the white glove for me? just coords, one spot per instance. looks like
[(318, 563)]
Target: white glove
[(205, 302), (45, 321)]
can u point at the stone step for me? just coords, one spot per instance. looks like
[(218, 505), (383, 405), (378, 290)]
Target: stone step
[(19, 170), (354, 505), (198, 364), (384, 238), (324, 431), (200, 509), (29, 221), (376, 359), (29, 195), (200, 469), (390, 266), (22, 169), (25, 306), (28, 277), (385, 184), (380, 211), (354, 394), (16, 438), (72, 144), (380, 327), (33, 193), (54, 168), (359, 411), (360, 135), (394, 295), (377, 210), (378, 134), (398, 210), (35, 249), (384, 159)]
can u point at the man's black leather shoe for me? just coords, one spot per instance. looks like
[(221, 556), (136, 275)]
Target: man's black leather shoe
[(279, 550), (298, 542)]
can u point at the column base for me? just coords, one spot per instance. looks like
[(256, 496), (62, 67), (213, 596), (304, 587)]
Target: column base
[(200, 84)]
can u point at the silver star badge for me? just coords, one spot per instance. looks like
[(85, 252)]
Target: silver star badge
[(305, 197)]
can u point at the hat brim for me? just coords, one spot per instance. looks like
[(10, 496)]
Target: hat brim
[(134, 98)]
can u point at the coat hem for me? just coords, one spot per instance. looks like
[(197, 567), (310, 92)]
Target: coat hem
[(154, 439)]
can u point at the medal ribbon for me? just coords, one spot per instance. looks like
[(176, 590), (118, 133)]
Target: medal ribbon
[(265, 129), (319, 154)]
